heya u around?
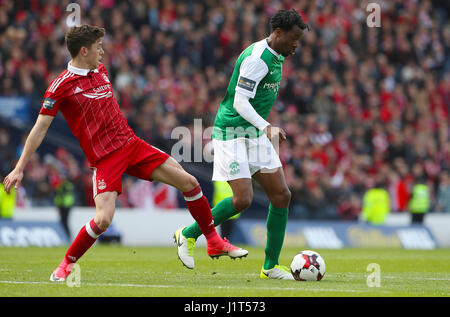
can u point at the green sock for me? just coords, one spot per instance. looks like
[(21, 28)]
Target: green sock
[(224, 210), (276, 228)]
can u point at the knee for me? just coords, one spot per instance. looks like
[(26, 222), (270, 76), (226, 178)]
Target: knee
[(105, 204), (103, 222), (103, 218), (188, 183), (288, 196), (281, 199), (242, 202)]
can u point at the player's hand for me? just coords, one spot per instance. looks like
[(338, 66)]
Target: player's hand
[(13, 178), (274, 132)]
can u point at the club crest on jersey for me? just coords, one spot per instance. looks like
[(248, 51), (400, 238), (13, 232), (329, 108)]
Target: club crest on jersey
[(49, 103), (101, 184), (234, 168)]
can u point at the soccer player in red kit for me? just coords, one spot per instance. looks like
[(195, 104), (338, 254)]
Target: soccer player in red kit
[(84, 95)]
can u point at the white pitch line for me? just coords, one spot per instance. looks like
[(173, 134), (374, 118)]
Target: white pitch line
[(352, 275), (90, 284), (174, 286), (400, 277), (417, 278)]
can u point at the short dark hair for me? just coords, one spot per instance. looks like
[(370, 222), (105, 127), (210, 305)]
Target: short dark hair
[(84, 35), (286, 19)]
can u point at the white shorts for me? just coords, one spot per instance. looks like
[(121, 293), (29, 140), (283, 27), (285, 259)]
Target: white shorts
[(243, 157)]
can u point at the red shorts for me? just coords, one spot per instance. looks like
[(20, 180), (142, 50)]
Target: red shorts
[(137, 158)]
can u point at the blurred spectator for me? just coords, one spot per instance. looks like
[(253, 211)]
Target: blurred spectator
[(7, 155), (443, 196), (420, 200), (376, 205), (37, 182), (64, 200), (7, 202), (350, 208)]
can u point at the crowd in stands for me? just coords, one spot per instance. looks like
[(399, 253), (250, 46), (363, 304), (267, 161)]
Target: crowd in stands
[(359, 104)]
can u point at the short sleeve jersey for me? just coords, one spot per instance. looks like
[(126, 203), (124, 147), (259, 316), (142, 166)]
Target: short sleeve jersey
[(257, 75), (86, 100)]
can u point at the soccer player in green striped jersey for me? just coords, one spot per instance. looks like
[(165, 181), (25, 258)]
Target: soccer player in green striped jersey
[(245, 143)]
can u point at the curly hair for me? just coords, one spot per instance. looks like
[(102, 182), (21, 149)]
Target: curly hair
[(286, 19)]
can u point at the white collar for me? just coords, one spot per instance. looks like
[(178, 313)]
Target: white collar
[(271, 49), (80, 71)]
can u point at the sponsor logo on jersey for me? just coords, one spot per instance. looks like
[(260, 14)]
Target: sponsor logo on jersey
[(101, 88), (100, 92), (49, 103), (272, 86), (246, 83), (106, 94)]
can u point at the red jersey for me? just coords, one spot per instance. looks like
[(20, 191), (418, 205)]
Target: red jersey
[(86, 100)]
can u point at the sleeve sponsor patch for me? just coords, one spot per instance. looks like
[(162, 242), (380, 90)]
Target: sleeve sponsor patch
[(49, 103), (246, 83)]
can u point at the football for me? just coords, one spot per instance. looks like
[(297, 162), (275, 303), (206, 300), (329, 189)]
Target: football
[(308, 266)]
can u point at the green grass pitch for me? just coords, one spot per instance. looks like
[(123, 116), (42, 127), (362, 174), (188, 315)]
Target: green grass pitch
[(107, 270)]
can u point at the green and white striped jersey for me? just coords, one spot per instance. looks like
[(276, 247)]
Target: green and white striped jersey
[(257, 75)]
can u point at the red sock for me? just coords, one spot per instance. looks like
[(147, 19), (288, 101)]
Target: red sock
[(83, 241), (201, 211)]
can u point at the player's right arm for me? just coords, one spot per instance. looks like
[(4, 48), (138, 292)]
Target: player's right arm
[(32, 142), (275, 132), (244, 108)]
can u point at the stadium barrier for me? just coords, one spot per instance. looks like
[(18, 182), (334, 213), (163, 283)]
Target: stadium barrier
[(32, 234), (137, 227), (140, 227), (337, 235)]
